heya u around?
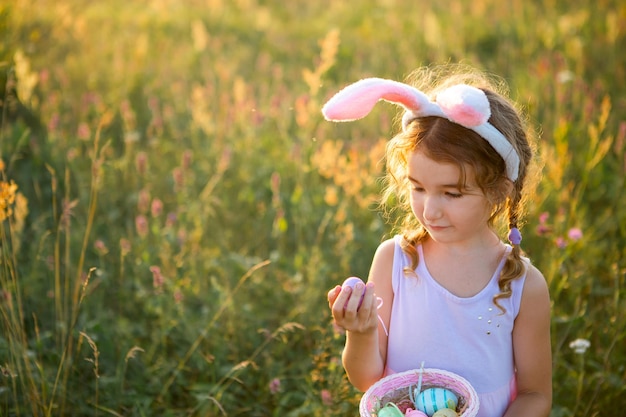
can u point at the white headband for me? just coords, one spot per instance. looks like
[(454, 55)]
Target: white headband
[(461, 104)]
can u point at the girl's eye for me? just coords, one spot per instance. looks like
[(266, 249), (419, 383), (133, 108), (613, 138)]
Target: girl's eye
[(454, 195)]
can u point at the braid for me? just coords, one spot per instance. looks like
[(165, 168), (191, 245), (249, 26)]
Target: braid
[(514, 266)]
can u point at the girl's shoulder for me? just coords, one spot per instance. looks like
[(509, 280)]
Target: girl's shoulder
[(388, 246), (535, 286), (383, 258)]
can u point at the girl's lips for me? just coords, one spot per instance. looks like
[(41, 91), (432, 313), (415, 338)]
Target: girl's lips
[(436, 228)]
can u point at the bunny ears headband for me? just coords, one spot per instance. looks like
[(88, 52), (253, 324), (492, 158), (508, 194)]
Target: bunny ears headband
[(462, 104)]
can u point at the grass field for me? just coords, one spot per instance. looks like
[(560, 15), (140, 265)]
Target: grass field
[(174, 208)]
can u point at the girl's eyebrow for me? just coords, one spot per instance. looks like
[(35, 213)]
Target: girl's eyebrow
[(455, 185)]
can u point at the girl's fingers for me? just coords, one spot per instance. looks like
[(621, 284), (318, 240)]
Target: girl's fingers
[(332, 295)]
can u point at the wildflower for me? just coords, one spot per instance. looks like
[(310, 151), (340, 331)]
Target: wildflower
[(186, 160), (20, 211), (143, 201), (141, 223), (274, 386), (171, 220), (125, 246), (7, 198), (542, 229), (580, 346), (575, 234), (564, 76), (327, 398), (179, 177), (178, 296), (331, 196), (54, 122), (68, 211), (157, 278), (100, 247), (141, 163), (561, 243), (83, 131), (156, 208), (224, 161)]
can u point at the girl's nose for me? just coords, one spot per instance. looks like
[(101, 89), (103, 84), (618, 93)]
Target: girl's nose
[(432, 209)]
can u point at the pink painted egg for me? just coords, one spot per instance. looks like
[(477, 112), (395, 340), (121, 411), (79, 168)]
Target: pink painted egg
[(414, 413), (351, 282)]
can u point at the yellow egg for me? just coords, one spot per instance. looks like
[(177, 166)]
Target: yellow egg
[(445, 412)]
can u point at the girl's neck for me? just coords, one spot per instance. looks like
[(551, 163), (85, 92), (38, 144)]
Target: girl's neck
[(486, 242)]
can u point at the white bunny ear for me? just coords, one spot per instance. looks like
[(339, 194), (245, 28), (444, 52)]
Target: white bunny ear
[(465, 105), (358, 99)]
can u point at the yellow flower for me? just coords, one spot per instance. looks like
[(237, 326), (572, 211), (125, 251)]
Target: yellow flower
[(7, 198)]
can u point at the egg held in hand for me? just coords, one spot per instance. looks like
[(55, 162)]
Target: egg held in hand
[(351, 282)]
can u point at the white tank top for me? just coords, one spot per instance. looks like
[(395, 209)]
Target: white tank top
[(468, 336)]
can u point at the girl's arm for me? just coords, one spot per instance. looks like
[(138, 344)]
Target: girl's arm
[(365, 353), (532, 350)]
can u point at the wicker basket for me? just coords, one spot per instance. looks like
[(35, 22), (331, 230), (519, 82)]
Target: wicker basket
[(395, 388)]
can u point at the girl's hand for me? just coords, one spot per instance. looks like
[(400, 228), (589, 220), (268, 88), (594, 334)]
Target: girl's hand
[(344, 305)]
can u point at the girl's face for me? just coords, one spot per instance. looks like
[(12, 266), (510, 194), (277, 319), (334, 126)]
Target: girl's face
[(449, 214)]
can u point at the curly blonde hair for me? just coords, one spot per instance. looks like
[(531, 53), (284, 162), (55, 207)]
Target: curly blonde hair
[(464, 148)]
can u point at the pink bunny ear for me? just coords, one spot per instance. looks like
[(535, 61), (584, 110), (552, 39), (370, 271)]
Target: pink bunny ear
[(358, 99), (465, 105)]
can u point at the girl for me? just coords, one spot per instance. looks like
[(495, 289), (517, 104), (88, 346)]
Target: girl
[(451, 293)]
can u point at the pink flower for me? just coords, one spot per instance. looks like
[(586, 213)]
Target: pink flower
[(83, 131), (274, 386), (143, 201), (156, 208), (171, 220), (561, 243), (179, 178), (327, 398), (125, 246), (575, 234), (187, 158), (101, 247), (141, 223), (141, 163), (542, 229), (157, 278)]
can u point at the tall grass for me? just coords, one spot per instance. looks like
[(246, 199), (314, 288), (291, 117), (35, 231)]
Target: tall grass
[(173, 208)]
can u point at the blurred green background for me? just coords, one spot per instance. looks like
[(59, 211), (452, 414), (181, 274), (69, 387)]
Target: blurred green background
[(174, 208)]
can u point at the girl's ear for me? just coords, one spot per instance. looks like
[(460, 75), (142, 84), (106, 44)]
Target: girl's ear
[(498, 196), (509, 186)]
